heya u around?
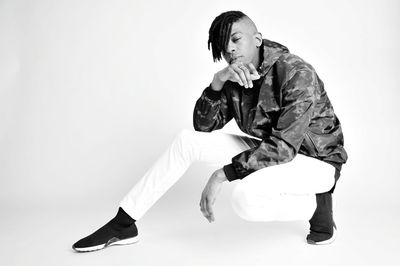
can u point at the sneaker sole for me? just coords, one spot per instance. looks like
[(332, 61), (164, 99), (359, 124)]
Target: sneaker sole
[(111, 242), (325, 242)]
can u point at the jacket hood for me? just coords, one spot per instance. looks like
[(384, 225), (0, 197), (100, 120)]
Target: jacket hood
[(271, 52)]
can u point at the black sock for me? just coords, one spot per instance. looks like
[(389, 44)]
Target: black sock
[(322, 219), (122, 218)]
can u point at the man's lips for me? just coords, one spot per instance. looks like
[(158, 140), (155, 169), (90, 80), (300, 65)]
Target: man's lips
[(234, 59)]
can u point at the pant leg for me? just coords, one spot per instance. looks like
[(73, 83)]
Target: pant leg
[(283, 192), (187, 147)]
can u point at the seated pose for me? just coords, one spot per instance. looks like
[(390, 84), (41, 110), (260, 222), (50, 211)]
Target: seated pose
[(286, 167)]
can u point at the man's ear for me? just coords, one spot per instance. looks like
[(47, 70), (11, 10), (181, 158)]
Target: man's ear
[(258, 37)]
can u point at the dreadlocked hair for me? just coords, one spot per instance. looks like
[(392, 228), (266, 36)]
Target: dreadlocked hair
[(220, 30)]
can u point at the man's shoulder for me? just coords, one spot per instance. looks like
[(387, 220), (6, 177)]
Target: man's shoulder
[(290, 65), (291, 62)]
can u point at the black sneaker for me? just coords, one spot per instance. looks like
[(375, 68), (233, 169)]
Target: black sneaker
[(108, 235), (322, 238)]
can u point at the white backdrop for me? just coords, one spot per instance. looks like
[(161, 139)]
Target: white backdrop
[(91, 92)]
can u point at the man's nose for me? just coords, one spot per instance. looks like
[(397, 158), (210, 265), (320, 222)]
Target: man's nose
[(231, 47)]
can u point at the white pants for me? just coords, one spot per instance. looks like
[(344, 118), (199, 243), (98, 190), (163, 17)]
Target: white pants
[(281, 192)]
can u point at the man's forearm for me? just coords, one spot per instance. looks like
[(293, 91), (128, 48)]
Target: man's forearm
[(211, 111)]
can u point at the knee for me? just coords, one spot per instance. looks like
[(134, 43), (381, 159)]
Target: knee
[(242, 203), (185, 135), (186, 143), (252, 206), (183, 138)]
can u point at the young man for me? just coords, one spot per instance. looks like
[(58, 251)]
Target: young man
[(276, 98)]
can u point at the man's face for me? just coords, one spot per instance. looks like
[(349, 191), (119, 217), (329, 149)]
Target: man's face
[(243, 42)]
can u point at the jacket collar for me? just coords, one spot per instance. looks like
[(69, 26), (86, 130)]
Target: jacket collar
[(271, 51)]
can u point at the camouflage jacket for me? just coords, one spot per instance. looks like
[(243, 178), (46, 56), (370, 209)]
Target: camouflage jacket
[(287, 109)]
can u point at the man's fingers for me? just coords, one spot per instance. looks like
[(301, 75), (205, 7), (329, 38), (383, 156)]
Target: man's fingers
[(210, 213), (206, 214), (204, 208), (236, 77), (247, 75), (241, 74), (252, 68), (208, 198), (244, 75), (253, 72), (255, 76)]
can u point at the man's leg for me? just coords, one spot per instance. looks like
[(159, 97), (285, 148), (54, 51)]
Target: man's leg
[(189, 146), (289, 192)]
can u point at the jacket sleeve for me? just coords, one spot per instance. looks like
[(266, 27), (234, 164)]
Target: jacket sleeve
[(211, 111), (298, 99)]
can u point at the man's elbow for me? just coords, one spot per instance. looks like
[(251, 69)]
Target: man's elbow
[(200, 128)]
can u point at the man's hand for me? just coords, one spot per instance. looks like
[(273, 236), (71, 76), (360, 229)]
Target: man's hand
[(210, 193), (236, 72)]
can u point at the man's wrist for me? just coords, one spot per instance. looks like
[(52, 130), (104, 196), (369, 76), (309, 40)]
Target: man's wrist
[(220, 176), (217, 83)]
